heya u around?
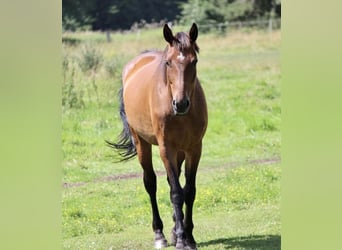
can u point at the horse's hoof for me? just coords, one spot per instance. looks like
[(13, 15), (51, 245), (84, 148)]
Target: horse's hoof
[(159, 240), (173, 238), (190, 244), (159, 244), (180, 245)]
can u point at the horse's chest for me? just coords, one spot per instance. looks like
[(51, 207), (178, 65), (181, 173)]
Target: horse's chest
[(184, 133)]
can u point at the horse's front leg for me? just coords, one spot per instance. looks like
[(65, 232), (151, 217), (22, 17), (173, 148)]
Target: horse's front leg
[(191, 165), (169, 157)]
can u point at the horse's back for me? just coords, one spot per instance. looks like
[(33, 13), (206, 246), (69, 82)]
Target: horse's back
[(143, 62), (139, 76)]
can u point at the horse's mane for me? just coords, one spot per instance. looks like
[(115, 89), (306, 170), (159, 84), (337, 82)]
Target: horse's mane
[(183, 42)]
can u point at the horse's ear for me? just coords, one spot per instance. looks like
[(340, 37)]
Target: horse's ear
[(193, 33), (168, 34)]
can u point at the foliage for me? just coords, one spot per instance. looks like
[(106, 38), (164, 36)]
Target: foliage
[(115, 14), (211, 13), (71, 98), (75, 14), (114, 67), (90, 58), (90, 61)]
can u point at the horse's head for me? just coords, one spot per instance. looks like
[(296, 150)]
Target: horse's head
[(180, 60)]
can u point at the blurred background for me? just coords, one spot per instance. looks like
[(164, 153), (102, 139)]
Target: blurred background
[(130, 14)]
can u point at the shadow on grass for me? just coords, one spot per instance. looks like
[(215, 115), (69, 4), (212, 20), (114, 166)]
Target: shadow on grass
[(249, 242)]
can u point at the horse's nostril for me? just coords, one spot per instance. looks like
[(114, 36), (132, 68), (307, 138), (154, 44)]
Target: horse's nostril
[(184, 104), (187, 103)]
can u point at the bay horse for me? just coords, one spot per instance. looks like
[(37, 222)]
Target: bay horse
[(163, 103)]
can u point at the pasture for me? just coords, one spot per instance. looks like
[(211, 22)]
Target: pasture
[(237, 206)]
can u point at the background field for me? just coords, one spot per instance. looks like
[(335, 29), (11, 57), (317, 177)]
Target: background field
[(238, 200)]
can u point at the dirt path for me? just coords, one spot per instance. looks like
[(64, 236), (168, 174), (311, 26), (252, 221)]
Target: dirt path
[(111, 178)]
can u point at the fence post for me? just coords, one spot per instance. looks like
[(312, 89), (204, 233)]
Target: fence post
[(270, 25), (272, 14), (109, 39)]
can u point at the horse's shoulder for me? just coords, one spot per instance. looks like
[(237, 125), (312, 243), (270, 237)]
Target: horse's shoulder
[(144, 59)]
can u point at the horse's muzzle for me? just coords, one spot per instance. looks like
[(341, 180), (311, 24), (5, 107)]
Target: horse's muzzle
[(182, 107)]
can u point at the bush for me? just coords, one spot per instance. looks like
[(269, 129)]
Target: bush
[(70, 97), (91, 59)]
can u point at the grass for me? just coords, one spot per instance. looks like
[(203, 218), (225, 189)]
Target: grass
[(237, 204), (241, 202), (209, 233)]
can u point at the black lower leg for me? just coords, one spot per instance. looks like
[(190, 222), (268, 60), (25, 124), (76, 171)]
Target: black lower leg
[(177, 199), (189, 197), (150, 182)]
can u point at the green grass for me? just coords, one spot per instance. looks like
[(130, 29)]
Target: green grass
[(237, 203), (232, 203), (240, 230)]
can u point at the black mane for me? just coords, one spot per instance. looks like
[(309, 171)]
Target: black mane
[(183, 43)]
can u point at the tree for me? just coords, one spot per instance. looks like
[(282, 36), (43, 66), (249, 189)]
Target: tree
[(116, 14), (103, 13), (75, 14), (208, 13), (122, 14), (263, 8)]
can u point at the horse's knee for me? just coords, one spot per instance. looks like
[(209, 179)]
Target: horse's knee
[(189, 193), (177, 197)]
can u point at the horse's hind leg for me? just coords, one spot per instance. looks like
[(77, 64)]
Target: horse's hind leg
[(150, 181)]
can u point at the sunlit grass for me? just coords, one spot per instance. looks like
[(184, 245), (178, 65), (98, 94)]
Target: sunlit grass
[(243, 194)]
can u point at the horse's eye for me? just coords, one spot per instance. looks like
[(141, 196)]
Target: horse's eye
[(168, 63)]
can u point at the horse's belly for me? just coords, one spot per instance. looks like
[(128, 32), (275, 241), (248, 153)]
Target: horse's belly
[(149, 138), (139, 118), (142, 127)]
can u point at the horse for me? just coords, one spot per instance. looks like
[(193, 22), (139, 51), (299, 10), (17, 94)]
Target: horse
[(162, 103)]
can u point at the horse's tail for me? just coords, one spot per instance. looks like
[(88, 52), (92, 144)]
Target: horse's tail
[(125, 145)]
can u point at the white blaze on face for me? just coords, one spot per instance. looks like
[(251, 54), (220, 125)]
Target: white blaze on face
[(180, 57)]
